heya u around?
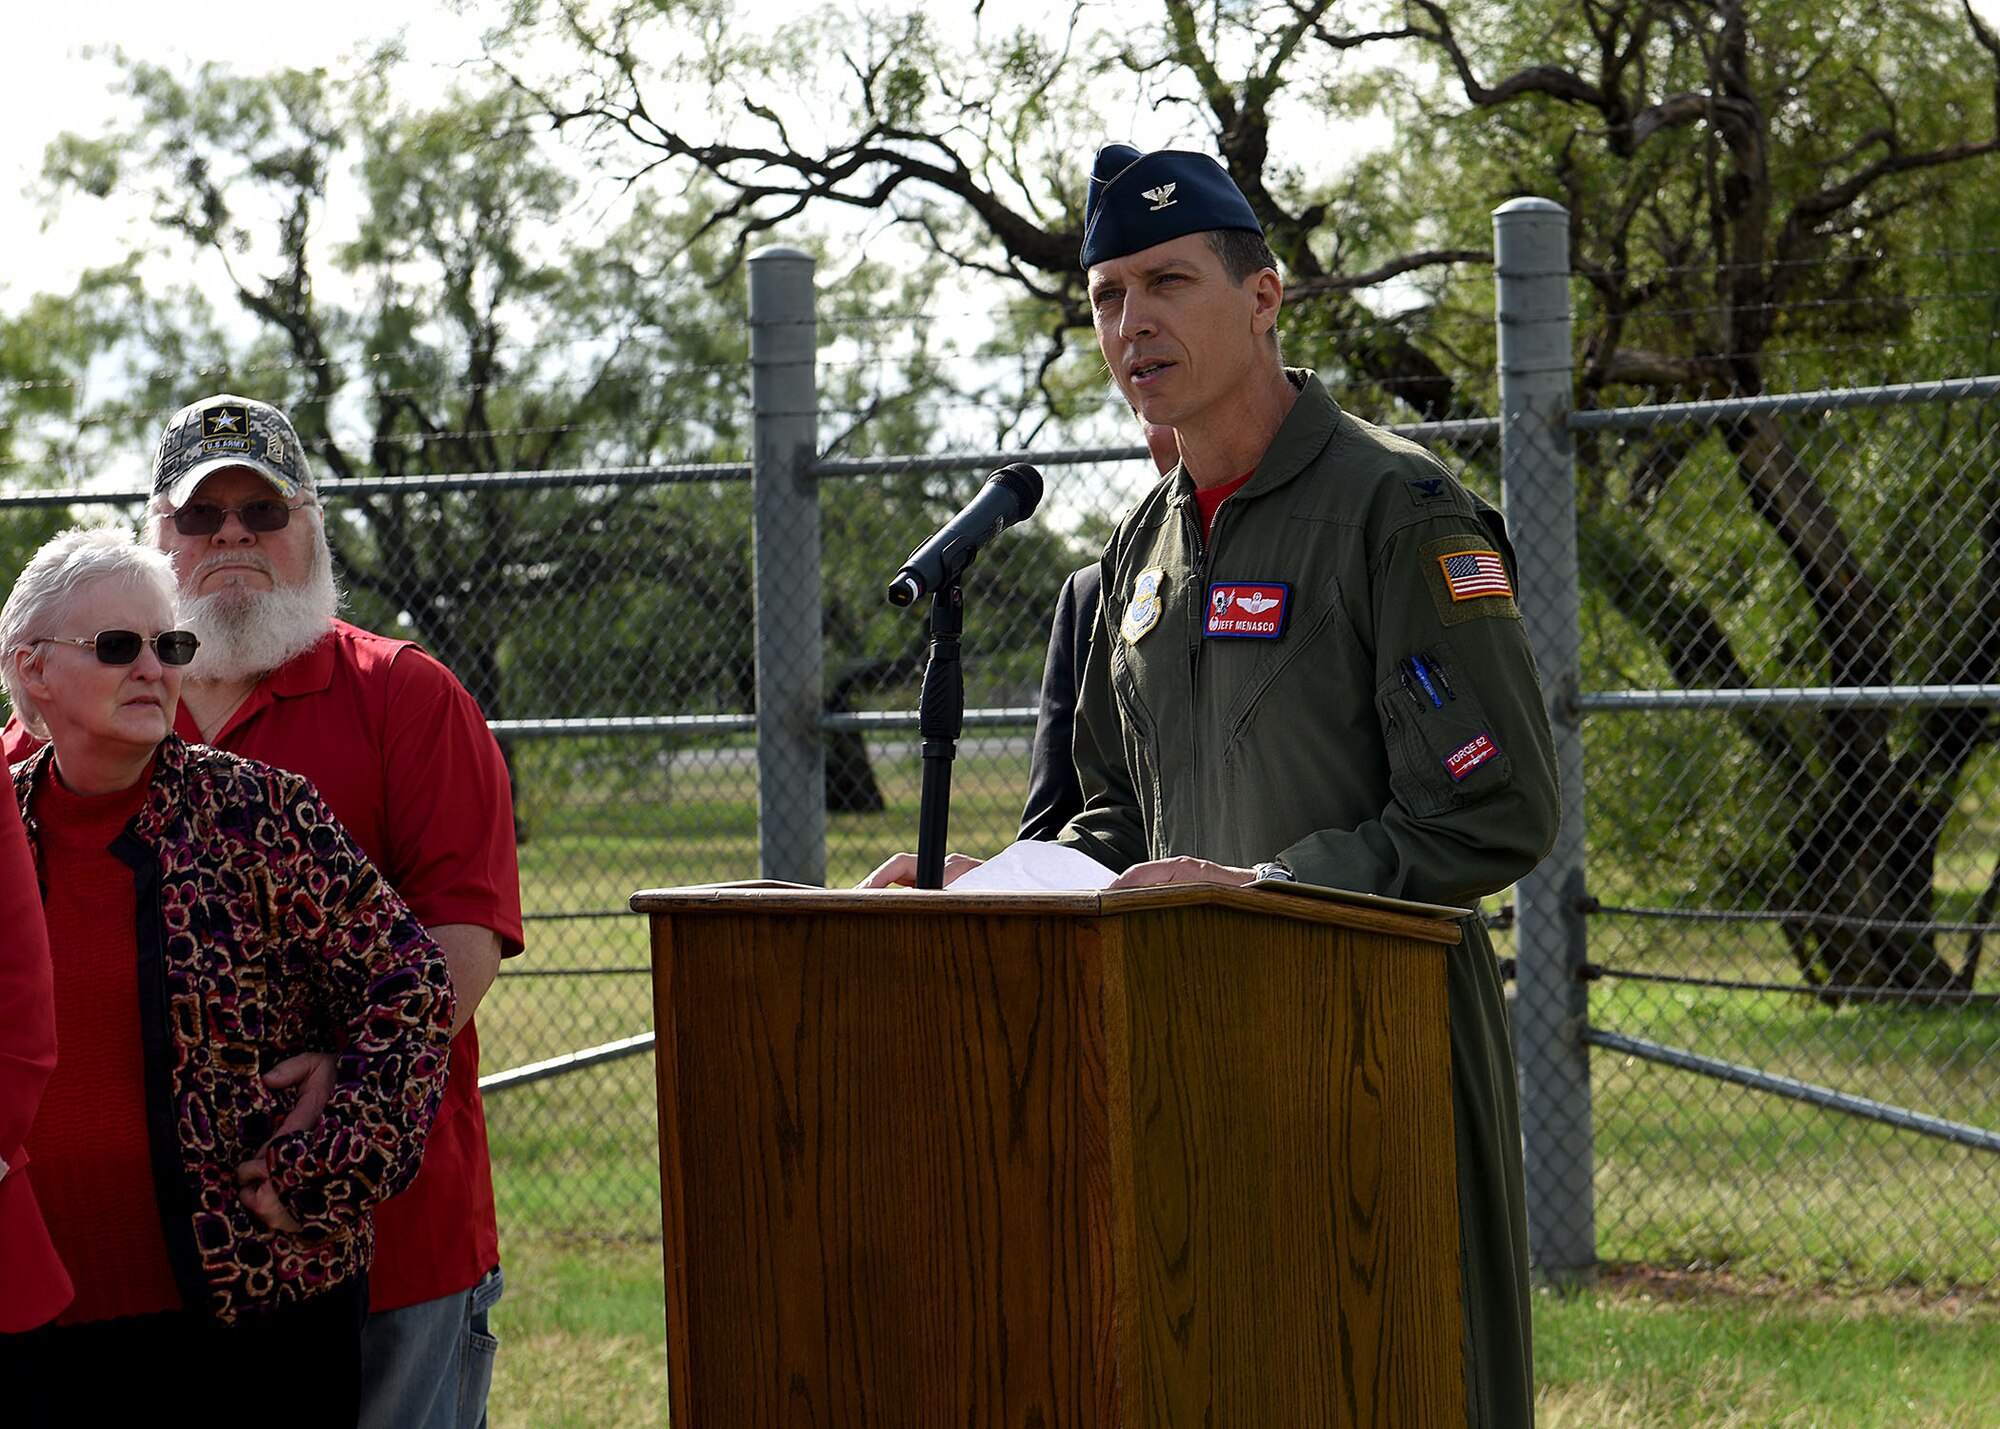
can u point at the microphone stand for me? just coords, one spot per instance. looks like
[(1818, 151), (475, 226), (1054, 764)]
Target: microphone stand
[(940, 717)]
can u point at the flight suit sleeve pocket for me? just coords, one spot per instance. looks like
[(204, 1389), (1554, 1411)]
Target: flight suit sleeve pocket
[(1443, 751)]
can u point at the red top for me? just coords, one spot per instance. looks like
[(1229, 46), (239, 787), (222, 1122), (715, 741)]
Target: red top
[(93, 1158), (1210, 499), (402, 755), (33, 1285)]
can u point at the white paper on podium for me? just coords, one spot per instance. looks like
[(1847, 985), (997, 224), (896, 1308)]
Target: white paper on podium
[(1030, 866)]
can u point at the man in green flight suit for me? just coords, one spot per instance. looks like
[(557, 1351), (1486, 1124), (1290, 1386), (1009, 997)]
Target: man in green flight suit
[(1308, 663)]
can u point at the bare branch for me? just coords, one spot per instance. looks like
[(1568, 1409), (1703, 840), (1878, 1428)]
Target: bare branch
[(1552, 80), (1688, 377), (1394, 268)]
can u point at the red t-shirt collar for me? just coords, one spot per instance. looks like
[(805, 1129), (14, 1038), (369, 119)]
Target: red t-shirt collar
[(1210, 499)]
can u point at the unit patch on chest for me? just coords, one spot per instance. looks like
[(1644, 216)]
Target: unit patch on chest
[(1247, 610), (1142, 612)]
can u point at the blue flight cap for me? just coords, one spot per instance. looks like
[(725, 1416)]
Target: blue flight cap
[(1137, 200)]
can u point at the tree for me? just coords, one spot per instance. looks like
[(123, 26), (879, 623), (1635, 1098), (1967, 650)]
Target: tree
[(1747, 185), (472, 341), (473, 323), (978, 149), (1735, 177), (53, 434)]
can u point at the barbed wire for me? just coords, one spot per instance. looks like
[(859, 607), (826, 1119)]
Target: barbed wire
[(54, 431), (665, 369), (1593, 972), (1812, 917)]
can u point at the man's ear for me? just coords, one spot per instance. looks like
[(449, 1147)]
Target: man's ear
[(1267, 293)]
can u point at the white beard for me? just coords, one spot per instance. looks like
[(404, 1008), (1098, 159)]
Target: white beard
[(246, 633)]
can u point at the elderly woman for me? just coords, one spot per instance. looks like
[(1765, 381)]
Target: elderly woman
[(208, 919)]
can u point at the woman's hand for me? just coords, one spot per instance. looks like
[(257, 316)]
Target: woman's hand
[(312, 1074), (253, 1184)]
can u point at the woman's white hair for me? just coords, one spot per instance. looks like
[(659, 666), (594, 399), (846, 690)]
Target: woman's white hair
[(51, 579)]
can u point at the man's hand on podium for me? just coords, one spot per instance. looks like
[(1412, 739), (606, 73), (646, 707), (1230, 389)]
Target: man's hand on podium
[(1163, 871), (900, 871)]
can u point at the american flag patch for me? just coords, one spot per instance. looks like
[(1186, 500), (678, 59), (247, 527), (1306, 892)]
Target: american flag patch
[(1472, 575)]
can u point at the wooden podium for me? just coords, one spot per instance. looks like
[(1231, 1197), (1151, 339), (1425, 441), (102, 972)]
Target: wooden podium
[(1177, 1157)]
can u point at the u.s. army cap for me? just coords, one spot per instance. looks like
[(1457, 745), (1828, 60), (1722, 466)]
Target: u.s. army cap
[(224, 431)]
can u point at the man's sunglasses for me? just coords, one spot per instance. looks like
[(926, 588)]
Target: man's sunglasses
[(122, 647), (204, 518)]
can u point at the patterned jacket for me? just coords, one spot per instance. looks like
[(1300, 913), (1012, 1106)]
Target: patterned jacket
[(263, 932)]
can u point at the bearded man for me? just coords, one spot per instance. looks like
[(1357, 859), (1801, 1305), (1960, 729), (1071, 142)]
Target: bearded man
[(402, 754)]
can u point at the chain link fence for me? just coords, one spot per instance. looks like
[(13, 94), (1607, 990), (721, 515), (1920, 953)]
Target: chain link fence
[(611, 800), (1790, 631), (1751, 1015)]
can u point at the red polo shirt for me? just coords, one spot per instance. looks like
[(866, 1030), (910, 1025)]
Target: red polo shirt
[(402, 755)]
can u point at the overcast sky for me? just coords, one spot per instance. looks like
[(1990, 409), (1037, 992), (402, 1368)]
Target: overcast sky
[(55, 86)]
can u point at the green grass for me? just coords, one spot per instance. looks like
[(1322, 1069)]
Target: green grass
[(576, 1175), (583, 1344), (582, 1338), (1653, 1352), (1854, 1236), (1694, 1172)]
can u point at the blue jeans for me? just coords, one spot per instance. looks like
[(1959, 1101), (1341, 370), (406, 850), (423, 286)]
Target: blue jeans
[(429, 1365)]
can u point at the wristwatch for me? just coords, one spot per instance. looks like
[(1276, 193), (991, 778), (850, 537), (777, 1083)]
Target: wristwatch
[(1274, 870)]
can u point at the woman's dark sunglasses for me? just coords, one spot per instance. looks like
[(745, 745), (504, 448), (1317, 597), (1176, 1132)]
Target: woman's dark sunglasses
[(122, 647), (202, 518)]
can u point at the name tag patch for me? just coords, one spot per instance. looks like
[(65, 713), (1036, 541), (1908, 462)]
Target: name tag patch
[(1253, 610), (1468, 757)]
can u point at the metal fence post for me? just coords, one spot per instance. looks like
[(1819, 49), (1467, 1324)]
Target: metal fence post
[(1538, 479), (784, 395)]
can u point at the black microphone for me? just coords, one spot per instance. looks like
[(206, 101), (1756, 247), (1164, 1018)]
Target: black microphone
[(1010, 495)]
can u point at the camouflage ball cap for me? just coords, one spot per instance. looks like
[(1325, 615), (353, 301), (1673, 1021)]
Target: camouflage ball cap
[(224, 431)]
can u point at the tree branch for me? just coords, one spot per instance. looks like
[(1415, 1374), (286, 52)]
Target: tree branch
[(1394, 268)]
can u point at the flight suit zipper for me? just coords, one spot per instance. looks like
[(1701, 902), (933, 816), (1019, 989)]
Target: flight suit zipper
[(1197, 600)]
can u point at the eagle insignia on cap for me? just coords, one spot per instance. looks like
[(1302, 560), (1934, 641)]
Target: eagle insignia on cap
[(1184, 192)]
